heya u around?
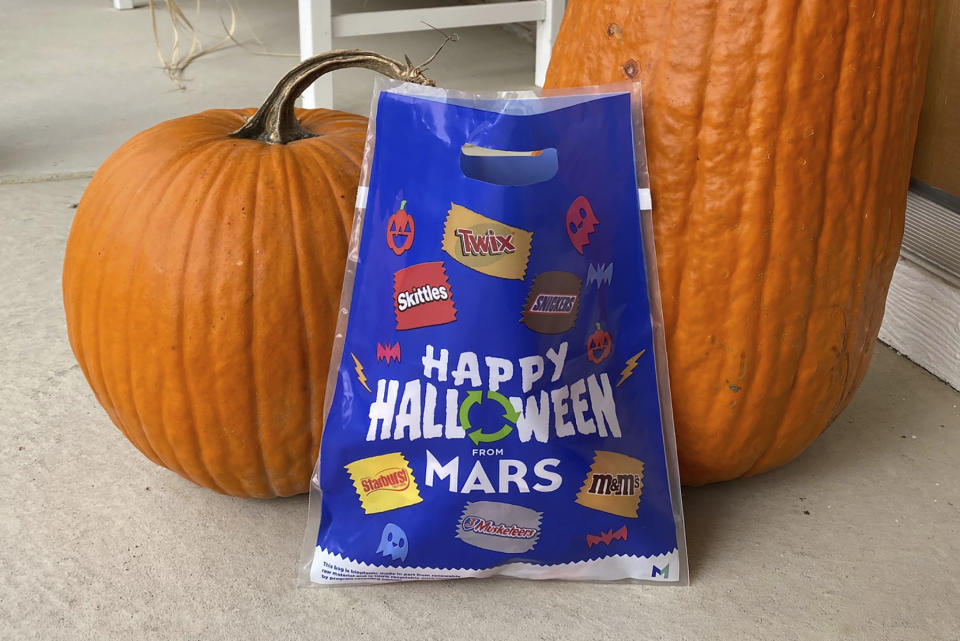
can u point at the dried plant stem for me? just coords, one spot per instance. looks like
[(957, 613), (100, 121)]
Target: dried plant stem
[(275, 122), (176, 62)]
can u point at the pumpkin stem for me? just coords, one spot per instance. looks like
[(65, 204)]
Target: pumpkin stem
[(275, 121), (403, 204)]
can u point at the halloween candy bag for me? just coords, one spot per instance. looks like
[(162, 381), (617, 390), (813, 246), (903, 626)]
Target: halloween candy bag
[(498, 399)]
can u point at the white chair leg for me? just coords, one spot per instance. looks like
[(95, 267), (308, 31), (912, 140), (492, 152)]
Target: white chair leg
[(316, 36), (123, 4), (546, 34)]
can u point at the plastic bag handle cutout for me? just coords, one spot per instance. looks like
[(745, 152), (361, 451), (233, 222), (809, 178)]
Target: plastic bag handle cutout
[(508, 168)]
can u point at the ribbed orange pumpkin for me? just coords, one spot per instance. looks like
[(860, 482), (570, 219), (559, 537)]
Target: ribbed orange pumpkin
[(202, 280), (779, 136)]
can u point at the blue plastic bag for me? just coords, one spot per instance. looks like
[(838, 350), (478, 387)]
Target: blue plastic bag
[(498, 399)]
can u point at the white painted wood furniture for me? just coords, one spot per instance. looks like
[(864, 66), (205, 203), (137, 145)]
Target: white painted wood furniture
[(922, 319), (318, 28)]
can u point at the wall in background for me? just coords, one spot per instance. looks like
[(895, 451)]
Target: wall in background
[(922, 318), (936, 161)]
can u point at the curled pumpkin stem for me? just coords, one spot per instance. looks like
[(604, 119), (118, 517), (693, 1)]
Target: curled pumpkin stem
[(275, 121)]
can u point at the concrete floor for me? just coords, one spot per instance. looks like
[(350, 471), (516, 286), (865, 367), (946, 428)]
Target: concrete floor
[(857, 539), (80, 78)]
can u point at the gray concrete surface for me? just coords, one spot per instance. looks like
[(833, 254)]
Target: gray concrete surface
[(79, 78), (857, 539)]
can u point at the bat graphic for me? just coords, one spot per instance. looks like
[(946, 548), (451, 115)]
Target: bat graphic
[(607, 537), (388, 352), (599, 274)]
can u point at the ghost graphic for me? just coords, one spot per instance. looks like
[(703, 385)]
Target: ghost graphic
[(581, 222), (393, 542)]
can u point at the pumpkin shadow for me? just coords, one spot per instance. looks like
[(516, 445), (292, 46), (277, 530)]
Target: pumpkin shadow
[(704, 516), (727, 522)]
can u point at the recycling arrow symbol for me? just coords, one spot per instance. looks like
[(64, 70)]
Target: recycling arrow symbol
[(478, 436)]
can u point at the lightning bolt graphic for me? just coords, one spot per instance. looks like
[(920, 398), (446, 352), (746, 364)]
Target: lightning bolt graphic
[(627, 369), (360, 375)]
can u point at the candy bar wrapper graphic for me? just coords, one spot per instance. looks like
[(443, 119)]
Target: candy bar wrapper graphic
[(500, 527), (553, 303), (486, 245), (384, 482), (422, 296), (613, 484), (497, 399)]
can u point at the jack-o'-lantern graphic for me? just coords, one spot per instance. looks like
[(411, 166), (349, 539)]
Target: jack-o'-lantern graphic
[(400, 229), (599, 344), (580, 223)]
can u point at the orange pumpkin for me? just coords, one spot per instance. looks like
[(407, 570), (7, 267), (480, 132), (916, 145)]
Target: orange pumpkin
[(202, 281), (599, 345), (779, 137), (400, 230)]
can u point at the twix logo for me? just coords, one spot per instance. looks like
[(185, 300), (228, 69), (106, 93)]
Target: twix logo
[(488, 244)]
